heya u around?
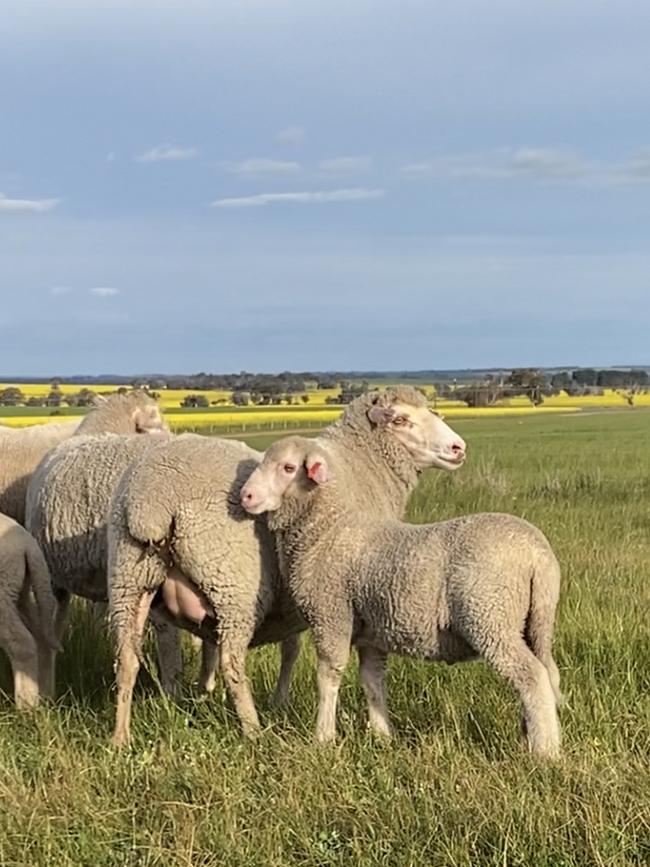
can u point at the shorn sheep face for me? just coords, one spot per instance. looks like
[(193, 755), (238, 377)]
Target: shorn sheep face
[(291, 467), (429, 441), (295, 465)]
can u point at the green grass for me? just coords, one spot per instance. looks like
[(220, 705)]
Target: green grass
[(454, 788)]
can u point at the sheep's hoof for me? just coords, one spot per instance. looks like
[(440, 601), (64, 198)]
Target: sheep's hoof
[(172, 688), (26, 702), (381, 733), (278, 700), (251, 733), (207, 684), (121, 740)]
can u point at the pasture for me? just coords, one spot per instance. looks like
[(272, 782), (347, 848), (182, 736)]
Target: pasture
[(454, 787)]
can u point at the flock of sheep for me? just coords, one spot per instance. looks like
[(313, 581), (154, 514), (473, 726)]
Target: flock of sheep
[(242, 549)]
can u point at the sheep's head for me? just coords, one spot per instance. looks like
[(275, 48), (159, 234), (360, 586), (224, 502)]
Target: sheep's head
[(147, 419), (402, 412), (291, 467), (125, 413)]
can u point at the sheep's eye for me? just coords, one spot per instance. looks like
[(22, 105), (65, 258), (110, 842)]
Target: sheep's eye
[(400, 421), (289, 468)]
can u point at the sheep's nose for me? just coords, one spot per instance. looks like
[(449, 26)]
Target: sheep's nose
[(246, 497), (458, 450)]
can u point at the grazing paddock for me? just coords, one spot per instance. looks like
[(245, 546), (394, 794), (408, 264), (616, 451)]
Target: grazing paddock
[(454, 788)]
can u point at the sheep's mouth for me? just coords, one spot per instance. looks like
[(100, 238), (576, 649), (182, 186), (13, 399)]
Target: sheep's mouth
[(442, 462), (254, 510)]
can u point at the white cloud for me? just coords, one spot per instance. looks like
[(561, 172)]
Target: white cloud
[(545, 165), (264, 167), (34, 205), (104, 291), (60, 290), (346, 165), (357, 194), (167, 152), (291, 135)]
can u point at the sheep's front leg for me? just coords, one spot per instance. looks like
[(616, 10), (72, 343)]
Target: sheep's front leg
[(129, 625), (289, 652), (372, 673), (46, 654), (232, 653), (333, 654), (21, 648)]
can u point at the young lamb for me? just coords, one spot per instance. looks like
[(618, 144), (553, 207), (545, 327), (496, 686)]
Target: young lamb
[(67, 503), (481, 585), (22, 450), (26, 626), (213, 570)]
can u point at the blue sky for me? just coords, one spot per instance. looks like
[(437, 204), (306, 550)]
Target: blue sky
[(297, 184)]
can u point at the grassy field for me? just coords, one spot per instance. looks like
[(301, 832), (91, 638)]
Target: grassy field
[(454, 788)]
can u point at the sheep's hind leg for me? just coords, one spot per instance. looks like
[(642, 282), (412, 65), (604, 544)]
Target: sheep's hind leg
[(372, 673), (289, 652), (518, 664), (209, 665), (21, 648), (232, 655), (129, 627)]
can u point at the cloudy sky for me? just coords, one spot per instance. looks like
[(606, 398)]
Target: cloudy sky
[(316, 184)]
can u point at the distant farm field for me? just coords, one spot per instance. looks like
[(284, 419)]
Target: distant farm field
[(454, 788), (222, 417)]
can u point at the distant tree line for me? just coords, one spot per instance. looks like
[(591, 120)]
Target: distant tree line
[(536, 385), (14, 396), (264, 389), (251, 383)]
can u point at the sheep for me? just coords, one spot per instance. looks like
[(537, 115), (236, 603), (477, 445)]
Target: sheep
[(67, 504), (22, 450), (483, 585), (26, 626), (212, 569)]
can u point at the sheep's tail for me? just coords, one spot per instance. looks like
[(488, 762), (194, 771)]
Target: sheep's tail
[(39, 579), (544, 597)]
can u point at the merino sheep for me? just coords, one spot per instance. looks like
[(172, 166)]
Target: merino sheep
[(67, 503), (26, 626), (22, 450), (214, 571), (481, 585)]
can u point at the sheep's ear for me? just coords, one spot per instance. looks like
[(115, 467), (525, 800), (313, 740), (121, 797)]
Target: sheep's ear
[(317, 470), (381, 415)]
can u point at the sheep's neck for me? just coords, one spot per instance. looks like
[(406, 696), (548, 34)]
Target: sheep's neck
[(379, 471)]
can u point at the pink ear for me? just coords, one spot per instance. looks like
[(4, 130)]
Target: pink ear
[(381, 414), (317, 472)]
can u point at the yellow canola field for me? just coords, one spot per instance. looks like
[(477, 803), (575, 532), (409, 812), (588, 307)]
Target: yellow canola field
[(224, 416), (277, 418), (169, 397)]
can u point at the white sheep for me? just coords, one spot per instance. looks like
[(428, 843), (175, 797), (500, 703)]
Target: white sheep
[(482, 585), (67, 504), (214, 571), (26, 626), (21, 450)]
